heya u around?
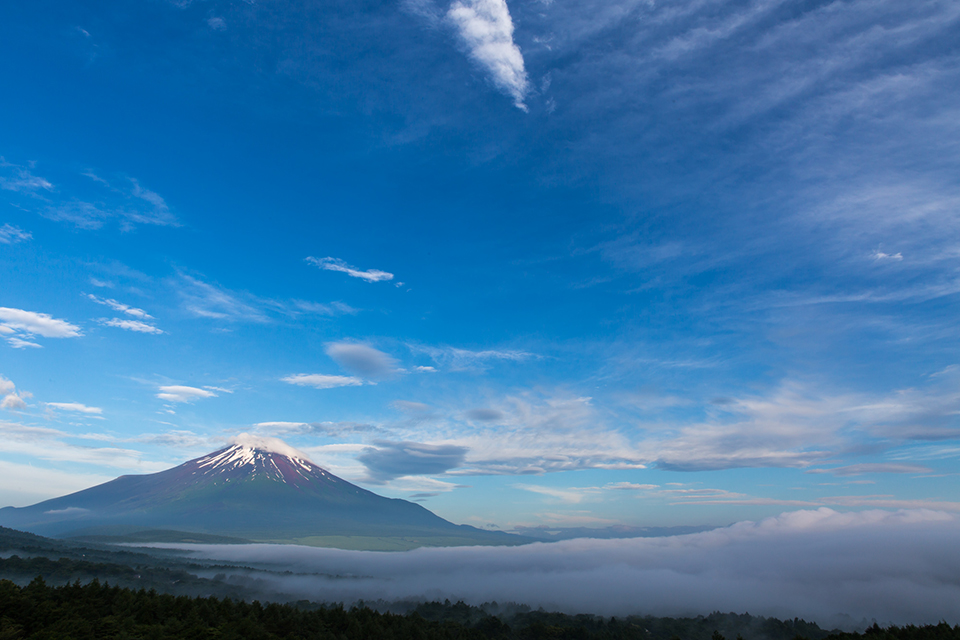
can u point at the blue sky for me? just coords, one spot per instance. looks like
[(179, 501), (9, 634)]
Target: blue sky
[(530, 263)]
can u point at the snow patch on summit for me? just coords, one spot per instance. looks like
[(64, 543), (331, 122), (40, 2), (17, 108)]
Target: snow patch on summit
[(254, 456), (272, 445)]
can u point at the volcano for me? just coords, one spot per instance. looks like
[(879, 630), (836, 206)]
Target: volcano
[(257, 489)]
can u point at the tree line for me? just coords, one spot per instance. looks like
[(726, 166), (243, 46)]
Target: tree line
[(98, 611)]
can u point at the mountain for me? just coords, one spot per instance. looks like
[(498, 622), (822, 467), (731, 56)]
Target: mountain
[(257, 489)]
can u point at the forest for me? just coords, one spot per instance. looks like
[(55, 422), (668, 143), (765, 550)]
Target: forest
[(98, 611)]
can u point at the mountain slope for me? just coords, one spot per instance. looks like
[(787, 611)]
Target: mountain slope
[(255, 489)]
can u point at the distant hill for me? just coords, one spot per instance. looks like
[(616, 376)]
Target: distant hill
[(255, 490)]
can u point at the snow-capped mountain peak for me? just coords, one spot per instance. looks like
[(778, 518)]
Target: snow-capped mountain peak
[(253, 455), (271, 445)]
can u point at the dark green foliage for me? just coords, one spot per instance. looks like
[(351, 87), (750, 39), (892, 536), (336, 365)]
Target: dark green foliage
[(99, 611), (942, 631)]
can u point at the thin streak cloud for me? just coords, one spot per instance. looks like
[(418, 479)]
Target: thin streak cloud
[(335, 264)]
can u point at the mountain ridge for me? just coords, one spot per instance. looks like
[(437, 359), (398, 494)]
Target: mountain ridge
[(254, 489)]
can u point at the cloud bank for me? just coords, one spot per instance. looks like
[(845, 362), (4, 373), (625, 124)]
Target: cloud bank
[(901, 567)]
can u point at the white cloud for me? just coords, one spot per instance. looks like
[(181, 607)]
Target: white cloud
[(13, 402), (486, 29), (75, 406), (898, 566), (180, 393), (119, 306), (798, 425), (335, 264), (533, 434), (322, 381), (18, 343), (10, 234), (361, 359), (880, 255), (131, 325), (38, 323), (274, 445)]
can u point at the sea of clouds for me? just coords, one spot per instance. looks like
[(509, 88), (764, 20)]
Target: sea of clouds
[(833, 568)]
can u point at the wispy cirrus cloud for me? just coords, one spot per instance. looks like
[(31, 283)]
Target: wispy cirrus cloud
[(336, 264), (88, 204), (125, 201), (457, 359), (486, 30), (139, 314), (20, 178), (10, 234), (207, 300), (213, 301), (131, 325)]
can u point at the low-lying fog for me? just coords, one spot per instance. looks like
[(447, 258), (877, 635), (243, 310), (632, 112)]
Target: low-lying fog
[(834, 568)]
